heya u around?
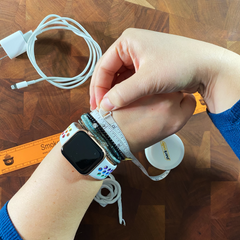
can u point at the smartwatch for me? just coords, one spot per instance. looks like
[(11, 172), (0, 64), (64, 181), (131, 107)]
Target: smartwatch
[(86, 155)]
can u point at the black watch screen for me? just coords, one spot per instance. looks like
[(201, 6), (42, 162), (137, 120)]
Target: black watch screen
[(82, 152)]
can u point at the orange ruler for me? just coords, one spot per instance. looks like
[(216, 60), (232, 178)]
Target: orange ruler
[(27, 154), (34, 152), (201, 105)]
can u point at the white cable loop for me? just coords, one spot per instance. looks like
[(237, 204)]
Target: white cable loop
[(113, 196), (95, 51)]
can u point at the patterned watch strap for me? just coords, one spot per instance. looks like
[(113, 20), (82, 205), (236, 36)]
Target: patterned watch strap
[(103, 169)]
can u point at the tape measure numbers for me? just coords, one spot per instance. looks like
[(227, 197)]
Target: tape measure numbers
[(119, 140), (110, 126)]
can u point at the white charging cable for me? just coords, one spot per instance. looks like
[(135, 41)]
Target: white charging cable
[(26, 43), (113, 196)]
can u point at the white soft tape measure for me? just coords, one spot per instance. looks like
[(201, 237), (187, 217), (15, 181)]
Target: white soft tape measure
[(107, 122)]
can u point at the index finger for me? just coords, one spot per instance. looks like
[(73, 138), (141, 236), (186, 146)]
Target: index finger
[(104, 73)]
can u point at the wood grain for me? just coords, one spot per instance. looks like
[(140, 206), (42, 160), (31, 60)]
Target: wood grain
[(200, 199)]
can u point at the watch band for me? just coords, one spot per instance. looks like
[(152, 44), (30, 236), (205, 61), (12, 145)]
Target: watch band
[(103, 169), (102, 137), (101, 131), (69, 132), (106, 120)]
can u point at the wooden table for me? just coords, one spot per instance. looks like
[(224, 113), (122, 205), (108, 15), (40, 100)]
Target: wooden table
[(200, 199)]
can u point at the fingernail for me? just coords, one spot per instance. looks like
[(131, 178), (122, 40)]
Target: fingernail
[(106, 104), (90, 103), (91, 107)]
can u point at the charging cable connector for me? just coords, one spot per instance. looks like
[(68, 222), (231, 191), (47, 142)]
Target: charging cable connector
[(20, 85)]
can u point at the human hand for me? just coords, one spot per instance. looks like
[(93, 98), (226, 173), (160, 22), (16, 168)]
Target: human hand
[(153, 118), (142, 63)]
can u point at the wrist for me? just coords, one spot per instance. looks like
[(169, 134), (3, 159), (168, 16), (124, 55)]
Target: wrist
[(66, 169), (126, 127), (224, 80)]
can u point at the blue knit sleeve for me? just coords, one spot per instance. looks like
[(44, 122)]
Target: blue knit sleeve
[(7, 230), (228, 123)]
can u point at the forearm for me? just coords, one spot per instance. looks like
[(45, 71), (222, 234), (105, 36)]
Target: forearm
[(53, 201)]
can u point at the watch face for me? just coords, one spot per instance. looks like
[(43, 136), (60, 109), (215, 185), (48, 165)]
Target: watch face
[(82, 152)]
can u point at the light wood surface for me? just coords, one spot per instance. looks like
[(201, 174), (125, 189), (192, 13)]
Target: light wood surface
[(200, 199)]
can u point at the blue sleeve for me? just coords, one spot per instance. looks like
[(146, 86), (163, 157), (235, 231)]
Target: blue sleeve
[(7, 230), (228, 123)]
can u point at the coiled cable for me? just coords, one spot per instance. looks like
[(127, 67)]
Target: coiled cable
[(113, 196), (66, 24)]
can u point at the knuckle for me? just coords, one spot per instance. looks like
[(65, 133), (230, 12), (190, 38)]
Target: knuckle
[(118, 97), (148, 88), (177, 125)]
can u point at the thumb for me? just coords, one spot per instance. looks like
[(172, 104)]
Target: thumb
[(126, 92), (188, 105)]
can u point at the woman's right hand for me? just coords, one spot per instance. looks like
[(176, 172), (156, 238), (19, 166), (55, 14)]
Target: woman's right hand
[(142, 63)]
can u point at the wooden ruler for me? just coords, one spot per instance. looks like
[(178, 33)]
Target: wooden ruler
[(34, 152)]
